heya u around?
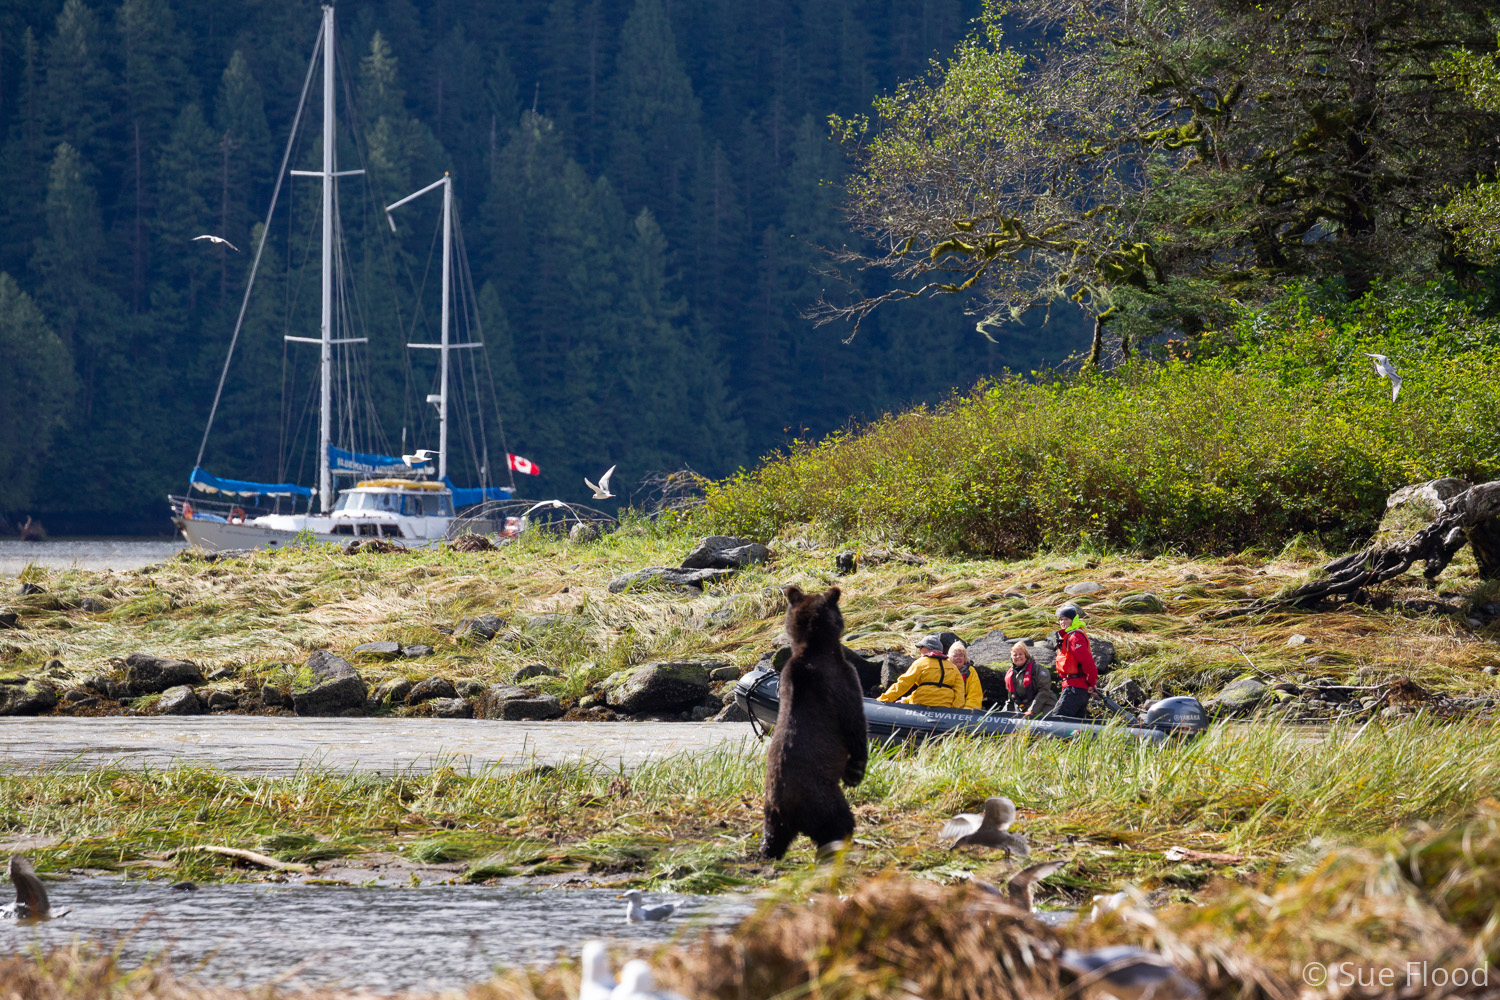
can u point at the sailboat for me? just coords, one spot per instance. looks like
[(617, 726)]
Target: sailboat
[(394, 498)]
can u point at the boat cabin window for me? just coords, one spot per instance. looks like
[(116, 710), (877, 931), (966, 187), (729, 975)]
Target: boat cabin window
[(421, 505), (369, 501)]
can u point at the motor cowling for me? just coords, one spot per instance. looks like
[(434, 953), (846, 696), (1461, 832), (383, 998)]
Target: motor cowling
[(1182, 715)]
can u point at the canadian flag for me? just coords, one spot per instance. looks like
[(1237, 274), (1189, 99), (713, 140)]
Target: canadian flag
[(518, 464)]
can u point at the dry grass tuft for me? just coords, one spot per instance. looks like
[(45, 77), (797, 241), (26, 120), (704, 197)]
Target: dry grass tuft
[(889, 937)]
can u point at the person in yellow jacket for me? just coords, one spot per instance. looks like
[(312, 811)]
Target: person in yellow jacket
[(938, 678)]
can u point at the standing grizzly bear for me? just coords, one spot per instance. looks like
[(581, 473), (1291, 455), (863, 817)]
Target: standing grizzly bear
[(820, 734)]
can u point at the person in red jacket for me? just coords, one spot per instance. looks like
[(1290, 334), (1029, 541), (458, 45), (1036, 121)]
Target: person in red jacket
[(1076, 670)]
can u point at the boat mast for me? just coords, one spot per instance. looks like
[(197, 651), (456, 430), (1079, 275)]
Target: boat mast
[(445, 343), (325, 350), (326, 340)]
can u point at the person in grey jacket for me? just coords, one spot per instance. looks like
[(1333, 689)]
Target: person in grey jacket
[(1028, 684)]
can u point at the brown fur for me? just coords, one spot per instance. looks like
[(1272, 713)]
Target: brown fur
[(820, 736)]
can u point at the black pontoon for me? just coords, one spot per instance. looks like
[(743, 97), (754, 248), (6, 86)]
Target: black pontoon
[(757, 694)]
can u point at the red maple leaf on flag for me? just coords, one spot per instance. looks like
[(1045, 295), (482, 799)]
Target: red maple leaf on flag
[(518, 464)]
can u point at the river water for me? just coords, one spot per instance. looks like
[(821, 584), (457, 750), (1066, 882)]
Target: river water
[(86, 553), (379, 939)]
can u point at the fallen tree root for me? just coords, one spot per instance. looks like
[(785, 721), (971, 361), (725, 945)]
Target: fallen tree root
[(1436, 545)]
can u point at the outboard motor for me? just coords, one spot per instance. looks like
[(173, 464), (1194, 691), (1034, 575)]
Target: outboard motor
[(1182, 715)]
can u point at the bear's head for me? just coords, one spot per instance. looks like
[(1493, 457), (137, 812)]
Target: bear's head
[(813, 620)]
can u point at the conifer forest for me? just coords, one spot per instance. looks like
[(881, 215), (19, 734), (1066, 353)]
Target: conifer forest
[(644, 190)]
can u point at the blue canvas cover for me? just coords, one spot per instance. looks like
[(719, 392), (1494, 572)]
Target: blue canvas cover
[(468, 497), (234, 487)]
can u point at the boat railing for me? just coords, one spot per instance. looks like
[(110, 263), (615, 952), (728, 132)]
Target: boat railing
[(232, 511)]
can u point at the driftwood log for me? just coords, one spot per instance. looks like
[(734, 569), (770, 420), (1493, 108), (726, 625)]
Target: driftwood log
[(1429, 522)]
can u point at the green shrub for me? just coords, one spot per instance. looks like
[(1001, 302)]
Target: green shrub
[(1286, 430)]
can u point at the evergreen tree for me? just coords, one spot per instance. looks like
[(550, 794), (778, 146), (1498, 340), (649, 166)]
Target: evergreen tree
[(36, 386), (79, 86), (244, 156), (152, 79), (654, 117)]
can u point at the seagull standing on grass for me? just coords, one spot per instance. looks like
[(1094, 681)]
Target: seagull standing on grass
[(635, 913), (1385, 369), (217, 239), (989, 829), (601, 491)]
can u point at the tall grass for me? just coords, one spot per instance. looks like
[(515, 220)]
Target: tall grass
[(1289, 432), (692, 820)]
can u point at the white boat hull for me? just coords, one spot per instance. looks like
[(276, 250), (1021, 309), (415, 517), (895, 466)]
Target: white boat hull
[(216, 536)]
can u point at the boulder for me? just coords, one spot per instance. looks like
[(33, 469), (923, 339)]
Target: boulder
[(1141, 604), (392, 691), (583, 532), (725, 552), (992, 683), (222, 700), (481, 629), (892, 666), (1484, 542), (867, 669), (273, 697), (1128, 690), (469, 688), (1082, 587), (92, 605), (844, 563), (658, 687), (1239, 698), (513, 703), (992, 650), (731, 712), (531, 670), (1297, 639), (146, 673), (327, 685), (9, 619), (27, 588), (728, 672), (179, 700), (451, 708), (416, 650), (551, 621), (379, 650), (655, 577), (432, 687), (28, 697)]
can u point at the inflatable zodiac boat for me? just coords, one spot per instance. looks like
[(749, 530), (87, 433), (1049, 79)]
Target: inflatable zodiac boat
[(757, 694)]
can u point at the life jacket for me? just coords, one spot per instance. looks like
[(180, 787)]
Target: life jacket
[(1071, 669), (1028, 681)]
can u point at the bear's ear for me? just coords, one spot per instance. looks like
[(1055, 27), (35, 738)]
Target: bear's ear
[(833, 595), (794, 595)]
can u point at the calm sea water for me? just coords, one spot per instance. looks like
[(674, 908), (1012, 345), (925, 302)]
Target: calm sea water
[(85, 553), (379, 939)]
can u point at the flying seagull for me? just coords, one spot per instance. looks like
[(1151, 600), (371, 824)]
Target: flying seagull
[(597, 982), (31, 897), (986, 830), (601, 492), (635, 913), (1385, 369), (422, 455), (217, 239)]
